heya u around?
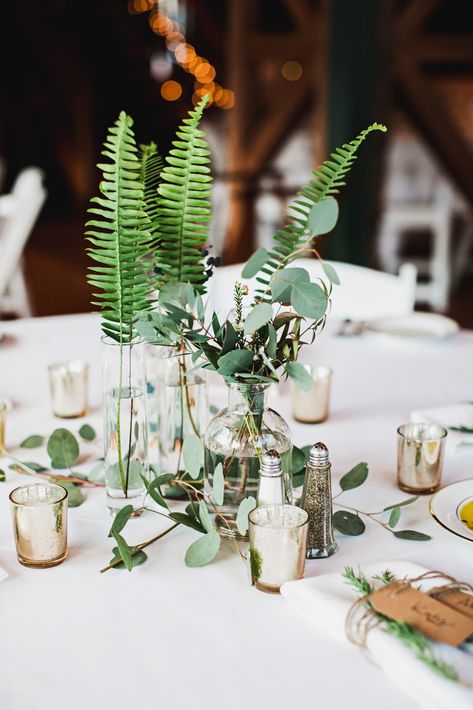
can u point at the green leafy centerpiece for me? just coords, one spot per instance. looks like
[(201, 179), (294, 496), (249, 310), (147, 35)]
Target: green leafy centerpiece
[(261, 339)]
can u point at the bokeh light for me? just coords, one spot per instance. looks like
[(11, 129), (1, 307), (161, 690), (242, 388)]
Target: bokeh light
[(171, 90), (291, 70)]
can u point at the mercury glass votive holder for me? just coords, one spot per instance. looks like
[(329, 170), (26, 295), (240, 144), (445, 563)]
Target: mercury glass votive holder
[(3, 422), (40, 524), (420, 450), (69, 383), (278, 540), (312, 406)]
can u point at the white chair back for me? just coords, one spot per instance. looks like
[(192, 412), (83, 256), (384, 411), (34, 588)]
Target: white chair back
[(363, 294), (19, 213)]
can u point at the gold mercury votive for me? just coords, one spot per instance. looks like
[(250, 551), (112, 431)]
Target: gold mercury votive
[(69, 388), (312, 407), (278, 541), (3, 422), (420, 449), (39, 515)]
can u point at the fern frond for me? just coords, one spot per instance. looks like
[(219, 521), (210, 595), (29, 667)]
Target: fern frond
[(327, 181), (120, 236), (183, 206), (152, 164)]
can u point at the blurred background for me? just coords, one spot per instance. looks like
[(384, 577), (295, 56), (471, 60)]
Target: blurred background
[(289, 81)]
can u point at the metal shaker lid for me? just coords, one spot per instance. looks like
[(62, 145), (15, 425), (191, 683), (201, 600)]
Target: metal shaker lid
[(271, 463), (318, 454)]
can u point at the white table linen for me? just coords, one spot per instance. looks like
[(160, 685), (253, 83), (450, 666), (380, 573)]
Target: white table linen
[(174, 637)]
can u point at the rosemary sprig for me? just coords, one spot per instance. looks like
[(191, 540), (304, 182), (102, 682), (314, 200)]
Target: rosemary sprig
[(407, 634)]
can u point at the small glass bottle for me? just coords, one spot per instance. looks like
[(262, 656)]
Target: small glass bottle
[(317, 502), (270, 485)]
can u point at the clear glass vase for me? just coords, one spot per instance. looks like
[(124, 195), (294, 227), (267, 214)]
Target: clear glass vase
[(183, 410), (125, 422), (237, 437)]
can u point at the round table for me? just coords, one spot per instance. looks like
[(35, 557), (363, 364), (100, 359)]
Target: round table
[(172, 637)]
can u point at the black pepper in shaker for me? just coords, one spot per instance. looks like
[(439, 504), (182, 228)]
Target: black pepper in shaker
[(317, 502)]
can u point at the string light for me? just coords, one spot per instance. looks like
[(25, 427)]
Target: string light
[(291, 70), (186, 56)]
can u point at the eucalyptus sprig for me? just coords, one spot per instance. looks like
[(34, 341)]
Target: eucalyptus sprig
[(406, 633), (63, 450)]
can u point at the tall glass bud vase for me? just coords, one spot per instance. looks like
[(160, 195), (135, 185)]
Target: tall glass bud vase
[(183, 410), (237, 438), (125, 422)]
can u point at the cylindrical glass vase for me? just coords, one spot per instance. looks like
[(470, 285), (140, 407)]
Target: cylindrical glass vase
[(125, 422), (237, 438), (183, 410)]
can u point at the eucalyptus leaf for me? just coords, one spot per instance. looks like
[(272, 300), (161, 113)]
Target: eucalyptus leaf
[(37, 467), (348, 523), (137, 558), (331, 273), (255, 263), (203, 550), (283, 281), (218, 485), (63, 449), (188, 521), (153, 489), (235, 361), (260, 315), (87, 432), (355, 477), (121, 519), (97, 472), (299, 375), (411, 535), (394, 517), (323, 216), (3, 476), (244, 509), (309, 300), (408, 501), (75, 497), (193, 455), (204, 516), (125, 551), (32, 442), (299, 459)]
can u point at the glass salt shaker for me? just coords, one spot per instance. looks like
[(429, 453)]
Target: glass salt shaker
[(270, 485), (317, 502)]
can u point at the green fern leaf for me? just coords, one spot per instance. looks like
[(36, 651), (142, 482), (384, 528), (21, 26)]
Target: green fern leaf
[(183, 206), (151, 167), (327, 181), (120, 236)]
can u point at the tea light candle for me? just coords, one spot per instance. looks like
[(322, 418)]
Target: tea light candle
[(278, 540), (40, 524), (69, 384), (312, 407), (420, 449)]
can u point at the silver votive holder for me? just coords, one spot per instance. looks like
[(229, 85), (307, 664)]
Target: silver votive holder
[(3, 424), (312, 406), (277, 550), (69, 383), (39, 514), (420, 450)]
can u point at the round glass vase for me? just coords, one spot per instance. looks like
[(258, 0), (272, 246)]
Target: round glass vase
[(237, 437), (125, 422), (179, 407)]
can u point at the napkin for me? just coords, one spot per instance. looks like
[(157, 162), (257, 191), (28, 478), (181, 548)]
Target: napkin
[(326, 601)]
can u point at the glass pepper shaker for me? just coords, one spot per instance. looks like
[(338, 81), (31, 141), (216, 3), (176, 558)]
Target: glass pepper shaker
[(317, 502), (270, 485)]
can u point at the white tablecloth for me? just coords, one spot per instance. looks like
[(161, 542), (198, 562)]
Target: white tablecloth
[(171, 637)]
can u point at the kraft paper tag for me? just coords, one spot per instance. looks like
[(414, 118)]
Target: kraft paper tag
[(436, 620), (460, 601)]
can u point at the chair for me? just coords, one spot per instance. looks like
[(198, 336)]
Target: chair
[(363, 294), (18, 213), (418, 197)]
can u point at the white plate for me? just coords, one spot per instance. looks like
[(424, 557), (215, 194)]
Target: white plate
[(445, 507), (416, 326)]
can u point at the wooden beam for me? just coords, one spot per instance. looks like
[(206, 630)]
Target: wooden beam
[(429, 113), (414, 15), (443, 49)]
